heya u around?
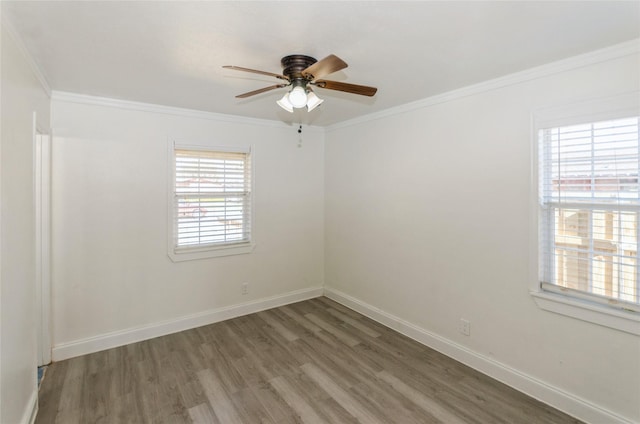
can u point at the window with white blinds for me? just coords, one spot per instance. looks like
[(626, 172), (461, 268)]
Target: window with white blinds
[(211, 199), (589, 204)]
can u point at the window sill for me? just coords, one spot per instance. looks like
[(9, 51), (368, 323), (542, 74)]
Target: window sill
[(626, 321), (210, 252)]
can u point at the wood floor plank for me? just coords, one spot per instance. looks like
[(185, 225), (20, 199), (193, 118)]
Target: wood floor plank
[(409, 371), (341, 396), (267, 317), (122, 373), (225, 339), (333, 330), (300, 320), (249, 408), (388, 404), (202, 414), (49, 395), (334, 413), (225, 372), (124, 409), (219, 400), (335, 365), (95, 396), (353, 322), (314, 361), (275, 406), (328, 303), (306, 413), (429, 405), (69, 408), (192, 394)]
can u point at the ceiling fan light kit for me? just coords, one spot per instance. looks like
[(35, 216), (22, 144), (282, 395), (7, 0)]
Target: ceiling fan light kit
[(301, 72), (298, 99)]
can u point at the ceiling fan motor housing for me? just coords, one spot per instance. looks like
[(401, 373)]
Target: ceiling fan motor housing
[(294, 65)]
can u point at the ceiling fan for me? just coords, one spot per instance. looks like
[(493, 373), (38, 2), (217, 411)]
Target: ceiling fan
[(301, 72)]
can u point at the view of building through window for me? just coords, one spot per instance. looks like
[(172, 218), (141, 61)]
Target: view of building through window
[(589, 199), (212, 193), (596, 251)]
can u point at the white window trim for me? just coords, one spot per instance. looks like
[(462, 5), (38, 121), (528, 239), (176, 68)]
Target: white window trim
[(627, 104), (203, 252), (629, 322)]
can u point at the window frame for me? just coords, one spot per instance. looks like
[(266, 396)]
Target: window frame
[(557, 300), (195, 252)]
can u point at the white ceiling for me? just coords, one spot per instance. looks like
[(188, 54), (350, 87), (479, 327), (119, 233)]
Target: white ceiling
[(172, 52)]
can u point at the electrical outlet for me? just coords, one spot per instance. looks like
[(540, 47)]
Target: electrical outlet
[(465, 327), (245, 288)]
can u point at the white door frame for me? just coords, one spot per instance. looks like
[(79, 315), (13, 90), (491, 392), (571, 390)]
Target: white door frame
[(42, 197)]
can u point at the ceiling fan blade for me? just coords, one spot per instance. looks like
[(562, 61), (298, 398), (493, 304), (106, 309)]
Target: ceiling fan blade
[(270, 74), (363, 90), (262, 90), (326, 66)]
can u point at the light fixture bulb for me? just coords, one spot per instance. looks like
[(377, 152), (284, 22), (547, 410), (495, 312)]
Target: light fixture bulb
[(298, 96), (285, 104), (313, 101)]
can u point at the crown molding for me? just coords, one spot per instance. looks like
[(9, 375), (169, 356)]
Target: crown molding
[(609, 53), (22, 48), (85, 99)]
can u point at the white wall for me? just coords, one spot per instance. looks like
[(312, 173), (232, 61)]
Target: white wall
[(111, 272), (21, 96), (427, 219)]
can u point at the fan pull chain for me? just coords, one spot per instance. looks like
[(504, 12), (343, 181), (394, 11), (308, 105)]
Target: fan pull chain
[(300, 136)]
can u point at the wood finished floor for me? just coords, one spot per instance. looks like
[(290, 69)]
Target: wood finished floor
[(310, 362)]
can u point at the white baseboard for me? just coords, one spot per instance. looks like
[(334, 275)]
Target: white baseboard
[(136, 334), (31, 411), (559, 399)]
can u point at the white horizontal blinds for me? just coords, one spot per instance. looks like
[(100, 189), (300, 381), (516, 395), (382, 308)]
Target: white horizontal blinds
[(212, 198), (590, 204)]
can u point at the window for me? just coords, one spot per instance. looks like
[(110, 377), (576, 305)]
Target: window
[(211, 203), (589, 203)]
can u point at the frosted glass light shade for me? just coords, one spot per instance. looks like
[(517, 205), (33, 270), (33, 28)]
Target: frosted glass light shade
[(313, 101), (285, 104), (298, 97)]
